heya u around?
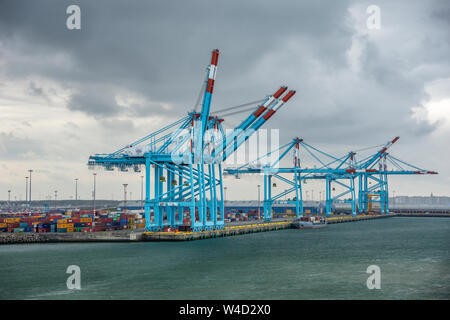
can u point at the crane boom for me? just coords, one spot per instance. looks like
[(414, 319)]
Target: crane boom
[(381, 152), (248, 121), (206, 106), (231, 147)]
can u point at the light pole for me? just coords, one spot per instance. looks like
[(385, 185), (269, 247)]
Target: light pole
[(93, 195), (9, 200), (393, 198), (125, 197), (26, 189), (224, 194), (56, 196), (142, 192), (29, 197), (259, 201), (76, 189)]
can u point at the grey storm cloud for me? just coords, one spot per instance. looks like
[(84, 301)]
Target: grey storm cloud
[(13, 147), (93, 103), (159, 50), (35, 90)]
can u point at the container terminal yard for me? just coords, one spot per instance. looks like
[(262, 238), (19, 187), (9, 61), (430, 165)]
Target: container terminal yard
[(120, 223), (183, 167)]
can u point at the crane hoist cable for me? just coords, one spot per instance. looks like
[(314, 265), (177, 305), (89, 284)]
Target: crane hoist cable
[(239, 106), (363, 149), (236, 112)]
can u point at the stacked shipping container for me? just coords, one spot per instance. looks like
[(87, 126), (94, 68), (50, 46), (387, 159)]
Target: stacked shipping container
[(80, 221), (85, 221)]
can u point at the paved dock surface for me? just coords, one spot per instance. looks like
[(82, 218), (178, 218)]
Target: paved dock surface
[(229, 230), (234, 229)]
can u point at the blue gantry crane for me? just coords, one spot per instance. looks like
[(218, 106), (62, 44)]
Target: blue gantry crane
[(269, 165), (186, 159), (342, 171), (373, 172)]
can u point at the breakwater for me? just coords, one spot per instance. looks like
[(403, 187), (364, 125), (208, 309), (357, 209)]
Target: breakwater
[(104, 236)]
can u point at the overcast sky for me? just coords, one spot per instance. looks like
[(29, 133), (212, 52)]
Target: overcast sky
[(137, 65)]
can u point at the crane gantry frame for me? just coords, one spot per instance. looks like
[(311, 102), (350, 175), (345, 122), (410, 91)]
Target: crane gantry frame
[(189, 152), (342, 171)]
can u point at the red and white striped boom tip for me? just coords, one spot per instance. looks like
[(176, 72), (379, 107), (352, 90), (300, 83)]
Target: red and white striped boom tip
[(215, 57), (264, 106), (285, 99), (288, 96), (212, 70), (382, 151), (280, 91)]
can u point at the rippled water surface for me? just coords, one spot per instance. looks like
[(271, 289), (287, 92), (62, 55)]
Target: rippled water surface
[(412, 253)]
